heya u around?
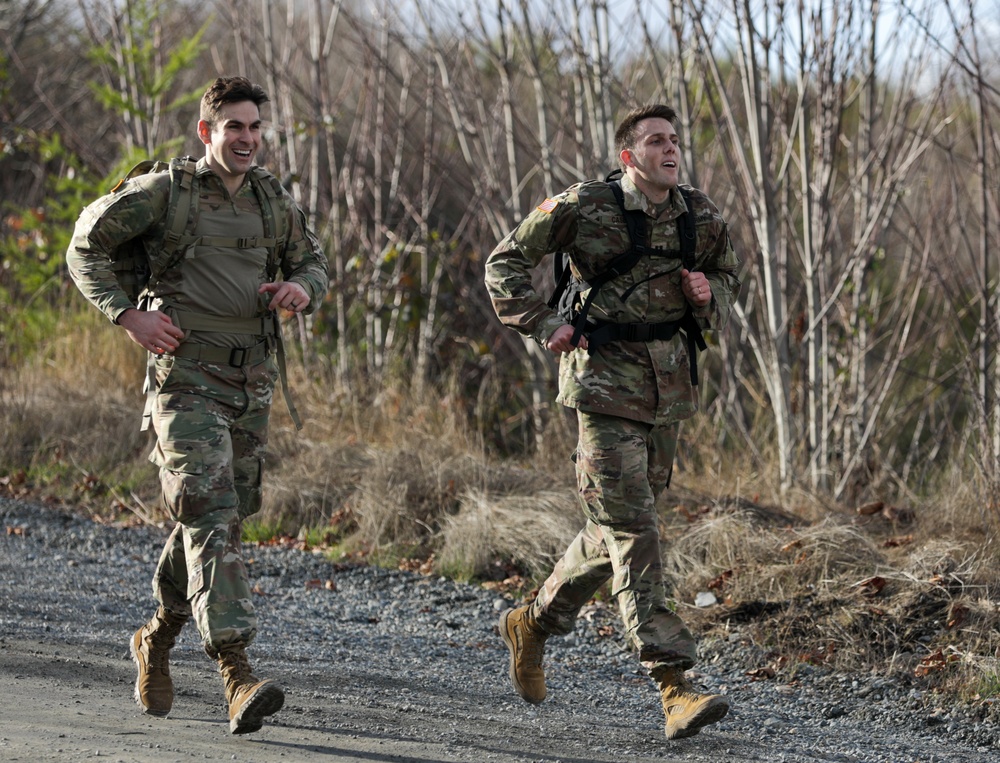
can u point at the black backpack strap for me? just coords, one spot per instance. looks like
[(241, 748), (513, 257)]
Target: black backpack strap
[(687, 232), (635, 222), (560, 277), (619, 266), (635, 219)]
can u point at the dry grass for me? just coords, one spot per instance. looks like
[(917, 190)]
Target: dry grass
[(847, 591), (381, 476), (488, 530)]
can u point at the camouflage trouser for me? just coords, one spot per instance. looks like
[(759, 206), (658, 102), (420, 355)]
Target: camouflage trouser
[(211, 426), (622, 466)]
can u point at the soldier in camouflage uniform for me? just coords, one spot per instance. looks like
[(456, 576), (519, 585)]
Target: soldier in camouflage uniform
[(209, 322), (629, 396)]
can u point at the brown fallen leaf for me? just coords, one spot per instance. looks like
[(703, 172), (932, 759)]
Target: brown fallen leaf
[(896, 541), (870, 508), (956, 615), (720, 580), (934, 662), (871, 586), (327, 584)]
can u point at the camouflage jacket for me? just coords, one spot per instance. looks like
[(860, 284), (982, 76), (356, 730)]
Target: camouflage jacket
[(642, 381), (212, 280)]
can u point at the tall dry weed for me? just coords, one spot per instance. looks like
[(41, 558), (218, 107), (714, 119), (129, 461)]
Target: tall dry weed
[(529, 530), (388, 472), (70, 416)]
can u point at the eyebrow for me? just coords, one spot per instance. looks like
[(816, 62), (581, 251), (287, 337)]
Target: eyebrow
[(238, 123), (668, 136)]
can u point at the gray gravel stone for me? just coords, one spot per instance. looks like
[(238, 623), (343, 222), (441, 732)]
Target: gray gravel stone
[(383, 660)]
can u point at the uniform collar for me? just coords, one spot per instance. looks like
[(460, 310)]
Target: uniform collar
[(202, 170), (636, 199)]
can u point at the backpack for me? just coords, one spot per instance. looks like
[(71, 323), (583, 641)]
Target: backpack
[(134, 272), (567, 301), (130, 261)]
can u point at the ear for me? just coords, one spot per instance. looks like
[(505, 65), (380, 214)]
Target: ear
[(204, 131), (626, 158)]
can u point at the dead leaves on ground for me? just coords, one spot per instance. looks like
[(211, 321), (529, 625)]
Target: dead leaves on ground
[(936, 661), (515, 585), (870, 587), (894, 514), (318, 584), (821, 655), (16, 484)]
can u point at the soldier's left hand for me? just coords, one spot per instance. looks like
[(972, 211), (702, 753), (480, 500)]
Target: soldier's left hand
[(696, 288), (286, 295)]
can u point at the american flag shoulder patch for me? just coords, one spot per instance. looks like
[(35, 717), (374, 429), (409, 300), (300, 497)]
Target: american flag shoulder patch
[(547, 206)]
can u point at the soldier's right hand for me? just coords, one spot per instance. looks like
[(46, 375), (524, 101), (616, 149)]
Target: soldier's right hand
[(561, 340), (151, 330)]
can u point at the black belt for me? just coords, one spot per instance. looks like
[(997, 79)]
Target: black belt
[(601, 332)]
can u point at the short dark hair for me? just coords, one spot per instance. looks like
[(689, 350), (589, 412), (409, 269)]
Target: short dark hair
[(625, 134), (229, 90)]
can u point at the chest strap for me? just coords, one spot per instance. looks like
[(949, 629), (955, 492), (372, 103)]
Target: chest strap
[(228, 242)]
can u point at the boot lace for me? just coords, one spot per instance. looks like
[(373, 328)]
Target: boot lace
[(533, 648)]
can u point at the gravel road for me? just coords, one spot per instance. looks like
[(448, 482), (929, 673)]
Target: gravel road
[(385, 665)]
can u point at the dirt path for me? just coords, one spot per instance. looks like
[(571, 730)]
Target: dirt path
[(389, 666)]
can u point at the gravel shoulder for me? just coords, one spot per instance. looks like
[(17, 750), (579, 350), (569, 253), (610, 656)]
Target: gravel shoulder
[(383, 665)]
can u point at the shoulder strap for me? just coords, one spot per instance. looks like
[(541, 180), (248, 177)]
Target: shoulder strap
[(270, 194), (687, 231), (636, 224), (560, 277), (635, 219), (182, 197)]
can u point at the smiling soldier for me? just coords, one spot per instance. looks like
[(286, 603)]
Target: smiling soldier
[(225, 246), (652, 263)]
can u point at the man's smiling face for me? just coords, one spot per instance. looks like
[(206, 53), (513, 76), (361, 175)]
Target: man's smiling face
[(232, 141), (654, 162)]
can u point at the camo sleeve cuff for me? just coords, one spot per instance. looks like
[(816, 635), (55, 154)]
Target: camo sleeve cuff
[(546, 327)]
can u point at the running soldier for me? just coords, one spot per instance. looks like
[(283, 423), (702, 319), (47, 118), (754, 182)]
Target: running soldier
[(208, 319), (631, 379)]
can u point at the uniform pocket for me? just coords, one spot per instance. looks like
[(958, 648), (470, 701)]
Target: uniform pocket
[(181, 461), (599, 474), (606, 464), (185, 491)]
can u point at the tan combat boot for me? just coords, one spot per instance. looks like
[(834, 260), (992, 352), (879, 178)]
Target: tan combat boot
[(250, 699), (687, 711), (526, 642), (150, 647)]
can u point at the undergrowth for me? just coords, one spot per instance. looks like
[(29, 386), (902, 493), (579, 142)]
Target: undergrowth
[(378, 476)]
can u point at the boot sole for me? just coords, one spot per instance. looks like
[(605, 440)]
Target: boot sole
[(267, 700), (511, 643), (713, 712), (156, 713)]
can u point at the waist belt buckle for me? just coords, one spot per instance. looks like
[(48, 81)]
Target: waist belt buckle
[(238, 357), (637, 332)]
